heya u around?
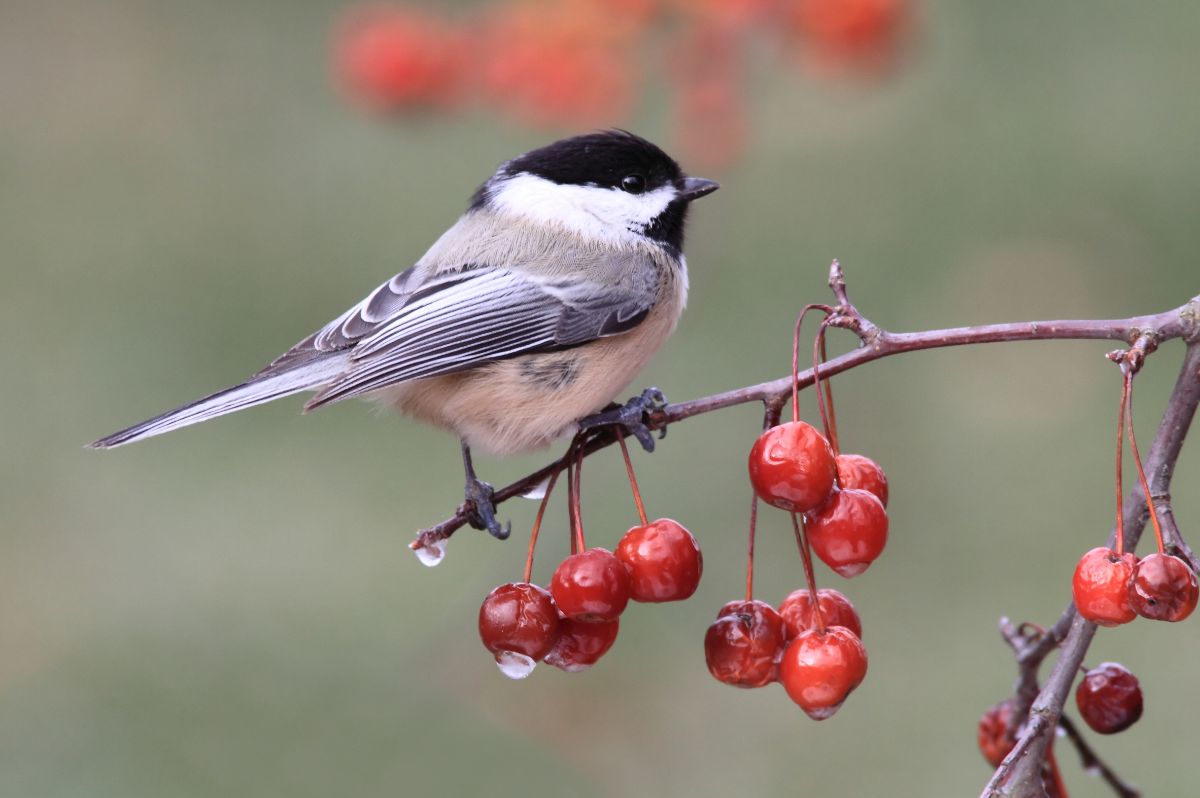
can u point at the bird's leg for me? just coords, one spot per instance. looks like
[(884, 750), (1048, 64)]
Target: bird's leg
[(478, 495), (632, 416)]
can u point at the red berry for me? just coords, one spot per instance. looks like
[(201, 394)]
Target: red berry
[(855, 472), (663, 560), (797, 611), (792, 467), (399, 57), (552, 63), (847, 24), (518, 623), (819, 671), (743, 644), (849, 532), (1101, 586), (996, 734), (591, 586), (1163, 588), (579, 645), (1109, 698)]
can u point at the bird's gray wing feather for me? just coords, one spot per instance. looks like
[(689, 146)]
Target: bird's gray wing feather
[(464, 319)]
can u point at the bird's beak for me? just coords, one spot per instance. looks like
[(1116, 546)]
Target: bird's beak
[(697, 187)]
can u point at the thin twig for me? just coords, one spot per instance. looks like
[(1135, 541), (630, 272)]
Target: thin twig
[(1091, 762)]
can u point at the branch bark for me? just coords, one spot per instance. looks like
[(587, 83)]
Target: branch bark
[(1182, 322)]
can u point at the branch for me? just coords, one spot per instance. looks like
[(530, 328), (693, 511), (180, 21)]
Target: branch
[(1181, 322), (1019, 775)]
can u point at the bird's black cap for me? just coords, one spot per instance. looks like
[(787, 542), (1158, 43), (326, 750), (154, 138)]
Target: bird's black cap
[(599, 159), (608, 159)]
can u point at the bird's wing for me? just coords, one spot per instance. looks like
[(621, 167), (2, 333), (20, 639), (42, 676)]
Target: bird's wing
[(459, 320)]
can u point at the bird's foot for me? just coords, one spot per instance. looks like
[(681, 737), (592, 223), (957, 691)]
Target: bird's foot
[(482, 510), (631, 417)]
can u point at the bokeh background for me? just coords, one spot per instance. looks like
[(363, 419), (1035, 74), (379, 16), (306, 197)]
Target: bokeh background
[(232, 609)]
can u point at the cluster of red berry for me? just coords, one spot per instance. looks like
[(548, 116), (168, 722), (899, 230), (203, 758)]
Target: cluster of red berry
[(575, 622), (813, 644), (577, 62), (1112, 586)]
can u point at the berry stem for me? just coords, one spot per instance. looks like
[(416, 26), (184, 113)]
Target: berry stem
[(637, 494), (571, 498), (796, 355), (824, 390), (1120, 457), (809, 576), (576, 511), (750, 546), (537, 524), (1137, 460)]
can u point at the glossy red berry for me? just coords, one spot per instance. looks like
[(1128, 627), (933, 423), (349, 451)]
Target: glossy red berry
[(1101, 586), (849, 532), (797, 611), (1109, 698), (579, 645), (792, 467), (1163, 588), (591, 586), (743, 644), (663, 560), (518, 623), (855, 472), (996, 735), (820, 670)]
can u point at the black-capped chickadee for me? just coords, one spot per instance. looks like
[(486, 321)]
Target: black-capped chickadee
[(541, 303)]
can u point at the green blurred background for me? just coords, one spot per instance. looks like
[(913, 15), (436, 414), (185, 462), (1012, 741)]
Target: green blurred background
[(232, 610)]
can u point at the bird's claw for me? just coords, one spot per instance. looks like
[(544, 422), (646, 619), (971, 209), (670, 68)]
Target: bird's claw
[(631, 416), (482, 509)]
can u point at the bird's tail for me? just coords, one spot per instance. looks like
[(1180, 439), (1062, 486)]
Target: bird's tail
[(262, 387)]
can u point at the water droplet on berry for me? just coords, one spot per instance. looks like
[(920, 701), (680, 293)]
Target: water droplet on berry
[(430, 554), (514, 665), (822, 713)]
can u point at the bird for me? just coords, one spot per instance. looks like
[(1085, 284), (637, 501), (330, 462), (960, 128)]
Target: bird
[(523, 320)]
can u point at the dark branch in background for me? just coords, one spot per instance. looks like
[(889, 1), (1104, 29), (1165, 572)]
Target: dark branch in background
[(1038, 709)]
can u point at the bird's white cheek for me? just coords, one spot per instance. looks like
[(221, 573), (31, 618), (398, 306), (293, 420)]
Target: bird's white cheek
[(606, 214)]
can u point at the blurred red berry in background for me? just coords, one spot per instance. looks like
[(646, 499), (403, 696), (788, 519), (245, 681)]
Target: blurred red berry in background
[(862, 35), (738, 13), (708, 115), (554, 66), (582, 63), (394, 57)]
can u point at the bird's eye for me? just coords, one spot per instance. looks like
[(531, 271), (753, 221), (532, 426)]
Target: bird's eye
[(634, 184)]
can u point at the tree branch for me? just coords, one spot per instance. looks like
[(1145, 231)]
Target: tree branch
[(1019, 775), (1181, 322)]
